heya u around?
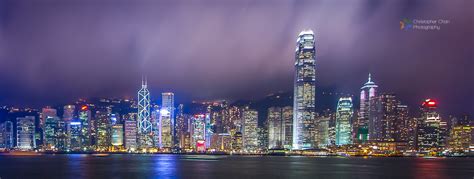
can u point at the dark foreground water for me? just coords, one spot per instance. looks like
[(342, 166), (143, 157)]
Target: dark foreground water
[(205, 166)]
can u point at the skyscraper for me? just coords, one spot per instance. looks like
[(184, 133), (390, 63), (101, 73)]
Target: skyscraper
[(145, 128), (103, 128), (250, 120), (167, 102), (117, 135), (45, 113), (304, 92), (164, 128), (181, 126), (276, 128), (210, 126), (85, 119), (198, 131), (279, 127), (344, 115), (402, 124), (9, 139), (25, 133), (367, 94), (6, 130), (429, 128), (130, 134), (383, 117), (75, 135), (460, 138), (50, 133), (287, 115), (323, 130)]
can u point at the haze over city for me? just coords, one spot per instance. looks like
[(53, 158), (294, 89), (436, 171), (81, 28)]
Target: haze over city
[(236, 89), (55, 52)]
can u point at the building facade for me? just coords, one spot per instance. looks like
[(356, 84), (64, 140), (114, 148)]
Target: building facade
[(167, 102), (25, 133), (117, 135), (429, 134), (276, 128), (363, 126), (131, 130), (165, 129), (145, 127), (249, 132), (304, 92), (344, 114)]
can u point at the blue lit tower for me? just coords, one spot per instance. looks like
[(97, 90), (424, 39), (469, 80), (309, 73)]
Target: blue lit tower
[(344, 114), (304, 92), (144, 120), (364, 126)]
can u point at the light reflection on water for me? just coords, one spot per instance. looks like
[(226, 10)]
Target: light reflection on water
[(165, 166), (205, 166)]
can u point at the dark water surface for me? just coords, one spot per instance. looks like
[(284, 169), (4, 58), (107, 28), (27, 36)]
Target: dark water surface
[(206, 166)]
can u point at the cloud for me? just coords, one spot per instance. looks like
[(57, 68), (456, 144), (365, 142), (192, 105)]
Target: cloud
[(56, 51)]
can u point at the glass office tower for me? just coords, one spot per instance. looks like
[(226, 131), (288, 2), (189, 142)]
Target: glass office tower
[(343, 121), (304, 92)]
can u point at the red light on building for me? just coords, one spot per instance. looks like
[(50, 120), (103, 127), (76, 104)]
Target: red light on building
[(429, 103), (84, 107), (199, 115), (201, 146)]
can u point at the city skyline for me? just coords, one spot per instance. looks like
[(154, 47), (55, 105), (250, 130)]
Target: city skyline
[(238, 66), (236, 89)]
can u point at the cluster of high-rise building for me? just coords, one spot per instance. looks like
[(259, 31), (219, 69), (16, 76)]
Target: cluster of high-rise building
[(382, 125)]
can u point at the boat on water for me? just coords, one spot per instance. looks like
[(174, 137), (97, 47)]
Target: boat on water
[(100, 155)]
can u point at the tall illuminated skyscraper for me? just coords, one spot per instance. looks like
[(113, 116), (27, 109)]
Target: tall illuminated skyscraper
[(429, 128), (50, 133), (85, 117), (130, 134), (343, 121), (75, 135), (304, 92), (167, 103), (164, 129), (384, 117), (198, 132), (103, 128), (145, 128), (181, 126), (362, 127), (276, 130), (287, 115), (250, 125)]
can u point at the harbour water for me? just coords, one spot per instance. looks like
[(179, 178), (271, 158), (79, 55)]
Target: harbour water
[(224, 166)]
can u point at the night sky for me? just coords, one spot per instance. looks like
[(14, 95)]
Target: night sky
[(54, 51)]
